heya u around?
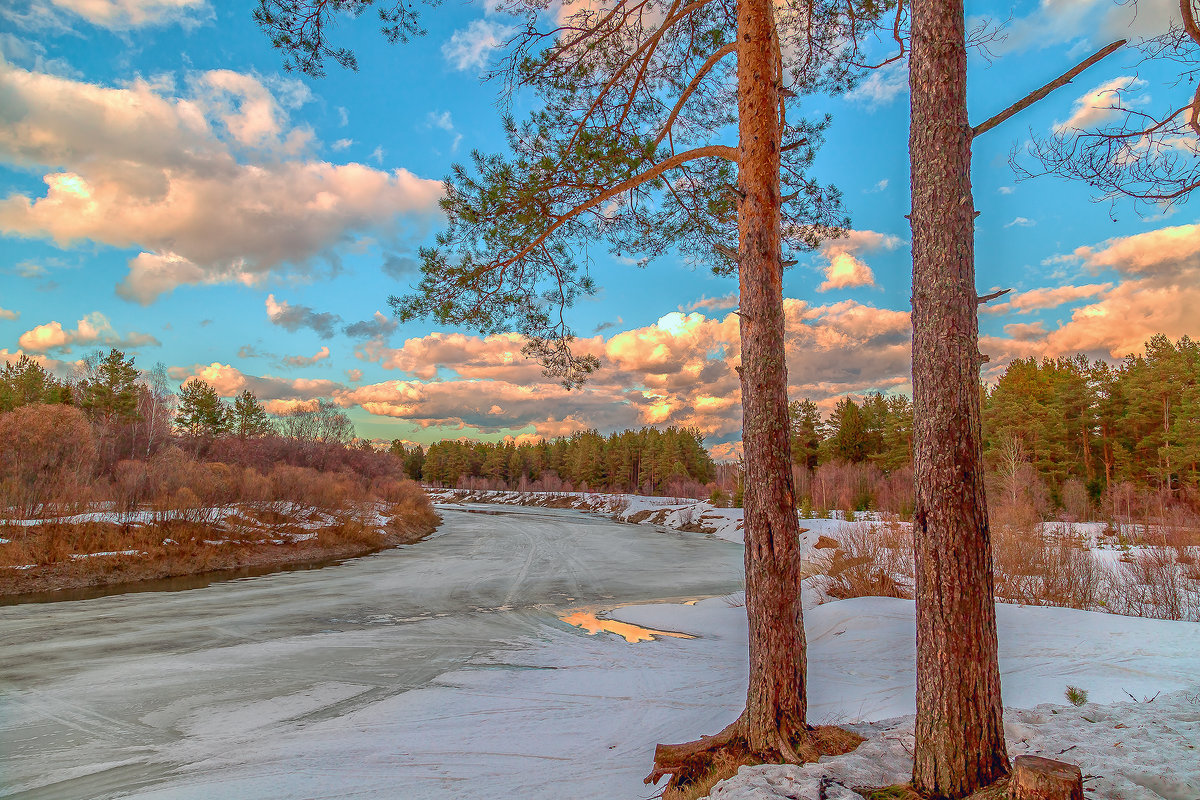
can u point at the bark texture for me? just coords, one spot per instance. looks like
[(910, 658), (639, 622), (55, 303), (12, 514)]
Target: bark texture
[(959, 733), (776, 704)]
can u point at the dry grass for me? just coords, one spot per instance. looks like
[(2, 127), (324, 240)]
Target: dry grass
[(871, 560), (181, 541)]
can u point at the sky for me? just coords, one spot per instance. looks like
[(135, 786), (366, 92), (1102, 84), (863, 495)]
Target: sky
[(168, 189)]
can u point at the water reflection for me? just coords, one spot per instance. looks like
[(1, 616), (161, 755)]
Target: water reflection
[(591, 622)]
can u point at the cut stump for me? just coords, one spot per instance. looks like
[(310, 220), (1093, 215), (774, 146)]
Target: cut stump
[(1037, 778)]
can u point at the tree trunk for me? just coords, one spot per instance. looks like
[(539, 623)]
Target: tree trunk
[(775, 699), (959, 733)]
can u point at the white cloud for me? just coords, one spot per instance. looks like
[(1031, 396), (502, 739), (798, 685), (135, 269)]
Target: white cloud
[(472, 47), (1022, 222), (1100, 104), (445, 122), (341, 144), (881, 87), (211, 185), (1095, 22), (127, 14)]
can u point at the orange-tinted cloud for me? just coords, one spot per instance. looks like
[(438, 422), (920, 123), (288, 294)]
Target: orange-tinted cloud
[(93, 329), (1049, 297), (230, 381), (845, 268)]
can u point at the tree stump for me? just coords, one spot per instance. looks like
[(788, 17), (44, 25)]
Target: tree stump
[(1037, 778)]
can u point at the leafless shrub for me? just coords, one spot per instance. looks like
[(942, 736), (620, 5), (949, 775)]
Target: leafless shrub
[(872, 560), (47, 458)]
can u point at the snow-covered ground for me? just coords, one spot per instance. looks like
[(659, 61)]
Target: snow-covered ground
[(445, 670), (861, 655)]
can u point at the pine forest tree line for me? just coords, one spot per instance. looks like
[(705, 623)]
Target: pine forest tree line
[(671, 461)]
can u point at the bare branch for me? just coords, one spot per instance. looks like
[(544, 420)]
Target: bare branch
[(1058, 82), (989, 297)]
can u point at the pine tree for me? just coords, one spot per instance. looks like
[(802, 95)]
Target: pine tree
[(249, 418), (109, 393), (201, 412), (26, 381)]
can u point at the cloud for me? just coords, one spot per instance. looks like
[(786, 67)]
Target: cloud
[(341, 144), (1158, 292), (1101, 103), (1005, 189), (377, 327), (128, 14), (1050, 297), (354, 375), (400, 266), (7, 314), (305, 361), (93, 329), (714, 303), (212, 185), (845, 269), (677, 371), (471, 48), (294, 317), (1166, 254), (1022, 222), (444, 122), (879, 187), (880, 88), (1056, 22), (229, 381), (608, 325)]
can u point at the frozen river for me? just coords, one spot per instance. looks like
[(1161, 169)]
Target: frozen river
[(436, 670)]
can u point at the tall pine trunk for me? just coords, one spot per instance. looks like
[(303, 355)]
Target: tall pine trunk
[(775, 699), (959, 731)]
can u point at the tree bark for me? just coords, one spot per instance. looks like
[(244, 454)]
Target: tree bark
[(959, 733), (776, 703)]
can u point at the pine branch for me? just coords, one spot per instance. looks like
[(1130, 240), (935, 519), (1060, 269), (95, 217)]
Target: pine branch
[(710, 151)]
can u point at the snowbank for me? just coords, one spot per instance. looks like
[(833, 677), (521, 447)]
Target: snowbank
[(861, 656)]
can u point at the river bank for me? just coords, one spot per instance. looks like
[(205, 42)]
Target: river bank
[(111, 550)]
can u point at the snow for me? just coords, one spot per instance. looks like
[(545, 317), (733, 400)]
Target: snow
[(79, 556), (662, 512), (1126, 751), (445, 669)]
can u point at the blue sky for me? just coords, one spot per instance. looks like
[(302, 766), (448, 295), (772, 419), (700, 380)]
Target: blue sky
[(166, 188)]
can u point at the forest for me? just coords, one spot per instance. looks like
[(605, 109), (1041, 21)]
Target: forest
[(670, 461), (1064, 435), (1069, 435)]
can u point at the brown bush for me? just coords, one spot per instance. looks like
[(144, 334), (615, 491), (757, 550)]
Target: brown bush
[(47, 457), (872, 560)]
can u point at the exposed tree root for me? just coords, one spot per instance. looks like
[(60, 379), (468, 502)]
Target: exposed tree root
[(699, 761)]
